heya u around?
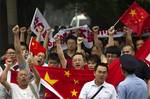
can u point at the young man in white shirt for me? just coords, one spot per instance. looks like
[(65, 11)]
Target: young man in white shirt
[(98, 88)]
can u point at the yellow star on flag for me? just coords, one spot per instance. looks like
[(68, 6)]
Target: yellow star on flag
[(76, 81), (67, 73), (74, 92), (49, 80), (132, 12)]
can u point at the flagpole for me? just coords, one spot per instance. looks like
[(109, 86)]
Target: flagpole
[(76, 14), (116, 22)]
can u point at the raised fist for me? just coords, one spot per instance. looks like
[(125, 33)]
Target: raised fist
[(23, 29), (111, 30), (95, 29), (15, 29), (79, 40)]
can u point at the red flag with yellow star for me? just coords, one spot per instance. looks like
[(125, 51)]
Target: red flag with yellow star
[(35, 47), (67, 83), (134, 18)]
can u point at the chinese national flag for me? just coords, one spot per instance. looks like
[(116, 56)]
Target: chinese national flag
[(134, 18), (144, 52), (35, 47), (147, 25), (115, 74), (67, 83)]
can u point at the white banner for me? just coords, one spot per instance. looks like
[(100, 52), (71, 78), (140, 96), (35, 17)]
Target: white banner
[(148, 57), (39, 24)]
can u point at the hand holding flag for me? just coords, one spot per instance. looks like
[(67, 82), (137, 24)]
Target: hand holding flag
[(134, 17)]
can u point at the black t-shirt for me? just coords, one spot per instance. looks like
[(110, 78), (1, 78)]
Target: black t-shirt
[(143, 71)]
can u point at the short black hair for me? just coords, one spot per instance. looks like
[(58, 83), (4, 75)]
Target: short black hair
[(129, 63), (71, 37), (94, 58), (113, 50), (101, 64), (53, 56)]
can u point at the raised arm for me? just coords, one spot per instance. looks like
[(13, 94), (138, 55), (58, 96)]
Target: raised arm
[(98, 43), (31, 64), (28, 36), (18, 50), (128, 32), (22, 34), (3, 78), (60, 53), (45, 45), (79, 42), (111, 32)]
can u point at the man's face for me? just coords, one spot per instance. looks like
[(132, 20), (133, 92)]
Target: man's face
[(10, 53), (91, 65), (23, 78), (53, 63), (127, 50), (139, 43), (71, 45), (100, 74), (78, 62), (40, 58), (110, 57)]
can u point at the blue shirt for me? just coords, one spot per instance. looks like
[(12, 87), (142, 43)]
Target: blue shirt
[(132, 88)]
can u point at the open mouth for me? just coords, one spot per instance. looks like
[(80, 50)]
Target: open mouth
[(77, 65), (23, 80), (39, 61)]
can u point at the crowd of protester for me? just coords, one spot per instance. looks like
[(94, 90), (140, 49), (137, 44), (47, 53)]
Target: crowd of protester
[(18, 58)]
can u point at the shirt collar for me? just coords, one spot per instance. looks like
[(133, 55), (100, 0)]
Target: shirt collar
[(93, 83)]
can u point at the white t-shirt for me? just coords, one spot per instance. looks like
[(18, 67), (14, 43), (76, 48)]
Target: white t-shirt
[(18, 93), (90, 88)]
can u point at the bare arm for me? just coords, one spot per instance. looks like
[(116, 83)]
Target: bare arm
[(3, 78), (111, 31), (28, 36), (61, 53), (128, 32), (45, 45), (36, 74), (22, 34), (79, 42), (20, 58), (97, 42)]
